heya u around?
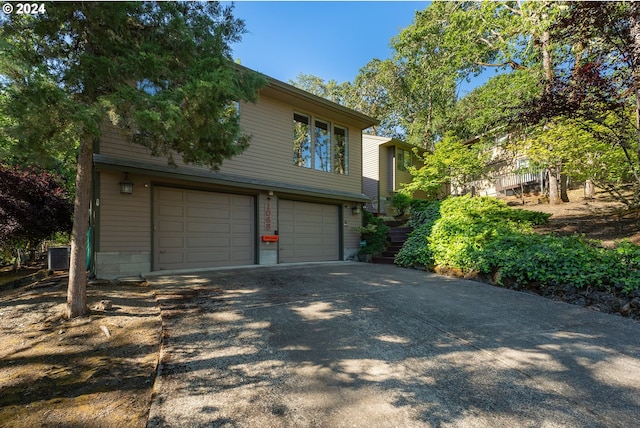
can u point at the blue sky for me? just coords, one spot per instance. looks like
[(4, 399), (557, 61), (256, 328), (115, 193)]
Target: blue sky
[(331, 40)]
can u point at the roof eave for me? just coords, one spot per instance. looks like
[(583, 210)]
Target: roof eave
[(276, 87)]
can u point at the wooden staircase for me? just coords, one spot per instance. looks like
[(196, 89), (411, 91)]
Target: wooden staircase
[(397, 237)]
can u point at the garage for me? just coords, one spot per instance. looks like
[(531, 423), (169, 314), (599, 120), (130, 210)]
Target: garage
[(195, 229), (308, 232)]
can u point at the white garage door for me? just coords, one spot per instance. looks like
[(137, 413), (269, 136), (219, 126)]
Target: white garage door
[(194, 229), (308, 232)]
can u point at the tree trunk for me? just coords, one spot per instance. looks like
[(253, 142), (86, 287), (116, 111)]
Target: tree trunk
[(553, 186), (77, 291), (589, 190), (564, 182), (634, 24)]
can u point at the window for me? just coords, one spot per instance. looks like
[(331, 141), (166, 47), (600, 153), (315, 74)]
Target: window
[(324, 149), (522, 163), (322, 146), (403, 159), (301, 141), (340, 152)]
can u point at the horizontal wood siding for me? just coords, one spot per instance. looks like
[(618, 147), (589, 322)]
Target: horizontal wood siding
[(371, 170), (387, 170), (270, 155), (370, 158), (351, 237), (402, 177), (124, 219)]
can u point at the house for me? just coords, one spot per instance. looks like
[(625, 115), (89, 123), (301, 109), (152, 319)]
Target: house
[(384, 170), (506, 173), (293, 196)]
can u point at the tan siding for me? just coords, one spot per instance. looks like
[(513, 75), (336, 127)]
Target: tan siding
[(124, 219), (402, 177), (387, 168), (270, 153), (370, 157), (112, 142), (351, 222), (371, 170)]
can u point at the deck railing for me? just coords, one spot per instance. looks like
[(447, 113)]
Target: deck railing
[(512, 181)]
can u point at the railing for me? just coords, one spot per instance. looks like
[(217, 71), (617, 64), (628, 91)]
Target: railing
[(511, 181)]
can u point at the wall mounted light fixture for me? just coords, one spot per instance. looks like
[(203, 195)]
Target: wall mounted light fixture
[(355, 210), (126, 187)]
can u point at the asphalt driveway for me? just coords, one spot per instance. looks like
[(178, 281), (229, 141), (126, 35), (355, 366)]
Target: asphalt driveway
[(361, 345)]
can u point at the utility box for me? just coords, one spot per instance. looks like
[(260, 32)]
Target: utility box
[(58, 258)]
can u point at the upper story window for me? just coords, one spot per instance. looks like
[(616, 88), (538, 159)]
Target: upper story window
[(403, 159), (319, 145), (322, 146), (340, 150), (301, 140)]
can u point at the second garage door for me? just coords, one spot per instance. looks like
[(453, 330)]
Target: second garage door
[(308, 232), (194, 229)]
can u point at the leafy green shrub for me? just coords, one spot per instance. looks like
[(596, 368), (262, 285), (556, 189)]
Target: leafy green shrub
[(415, 250), (467, 225), (484, 235), (401, 202), (423, 212), (551, 260), (375, 232)]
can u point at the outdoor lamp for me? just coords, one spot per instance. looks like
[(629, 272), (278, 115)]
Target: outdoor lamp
[(355, 210), (126, 187)]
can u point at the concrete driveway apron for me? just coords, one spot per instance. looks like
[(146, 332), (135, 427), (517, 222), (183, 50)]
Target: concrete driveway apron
[(361, 345)]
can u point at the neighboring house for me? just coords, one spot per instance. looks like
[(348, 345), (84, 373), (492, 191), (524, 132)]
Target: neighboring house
[(384, 170), (293, 196), (505, 173)]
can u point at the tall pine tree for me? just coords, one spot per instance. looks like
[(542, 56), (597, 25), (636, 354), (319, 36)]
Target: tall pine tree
[(162, 71)]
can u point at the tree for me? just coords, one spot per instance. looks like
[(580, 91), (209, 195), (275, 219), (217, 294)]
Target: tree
[(586, 152), (597, 85), (493, 105), (450, 165), (368, 93), (451, 41), (161, 71), (338, 93), (372, 94), (424, 88), (33, 206)]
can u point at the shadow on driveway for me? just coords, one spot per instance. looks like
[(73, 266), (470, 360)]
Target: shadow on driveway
[(353, 344)]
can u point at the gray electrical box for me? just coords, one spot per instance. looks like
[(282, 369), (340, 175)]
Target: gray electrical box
[(59, 258)]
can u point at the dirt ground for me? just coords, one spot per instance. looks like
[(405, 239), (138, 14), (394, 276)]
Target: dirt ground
[(98, 371), (601, 218), (93, 371)]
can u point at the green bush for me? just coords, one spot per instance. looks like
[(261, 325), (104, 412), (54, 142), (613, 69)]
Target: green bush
[(375, 232), (415, 251), (484, 235), (401, 202)]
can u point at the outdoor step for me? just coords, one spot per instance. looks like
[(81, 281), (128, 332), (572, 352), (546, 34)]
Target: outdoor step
[(395, 246), (399, 234), (383, 260), (397, 238)]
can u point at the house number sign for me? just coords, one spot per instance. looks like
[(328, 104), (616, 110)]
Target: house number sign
[(267, 215)]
